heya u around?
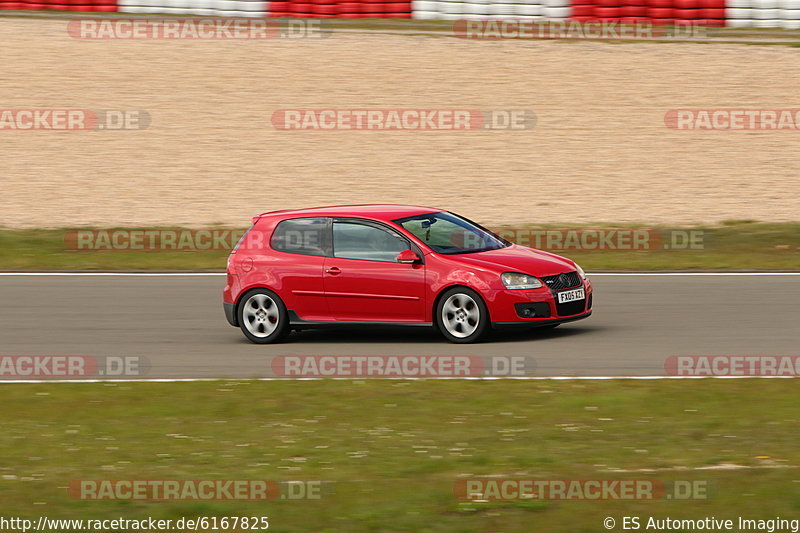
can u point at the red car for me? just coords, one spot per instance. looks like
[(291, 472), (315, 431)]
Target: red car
[(393, 264)]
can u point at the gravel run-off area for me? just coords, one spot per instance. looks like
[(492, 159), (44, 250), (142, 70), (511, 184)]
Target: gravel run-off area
[(600, 150)]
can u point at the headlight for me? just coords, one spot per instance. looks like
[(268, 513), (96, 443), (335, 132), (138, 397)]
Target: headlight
[(515, 280), (580, 271)]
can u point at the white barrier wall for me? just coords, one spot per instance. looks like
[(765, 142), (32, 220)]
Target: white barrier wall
[(783, 14), (763, 14), (215, 8), (485, 9)]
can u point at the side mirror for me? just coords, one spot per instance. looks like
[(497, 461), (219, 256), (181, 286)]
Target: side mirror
[(408, 257)]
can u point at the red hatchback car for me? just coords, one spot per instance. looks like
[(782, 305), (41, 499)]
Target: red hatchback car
[(393, 264)]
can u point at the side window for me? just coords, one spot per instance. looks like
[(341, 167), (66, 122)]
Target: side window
[(360, 241), (304, 236), (443, 234)]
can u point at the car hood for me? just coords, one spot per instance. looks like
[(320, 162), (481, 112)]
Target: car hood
[(517, 258)]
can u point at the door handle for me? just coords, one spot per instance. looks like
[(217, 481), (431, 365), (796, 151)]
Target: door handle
[(333, 271)]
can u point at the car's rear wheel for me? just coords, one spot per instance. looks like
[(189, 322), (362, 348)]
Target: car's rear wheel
[(461, 315), (262, 317)]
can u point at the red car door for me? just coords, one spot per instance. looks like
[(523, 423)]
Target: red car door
[(364, 282), (296, 266)]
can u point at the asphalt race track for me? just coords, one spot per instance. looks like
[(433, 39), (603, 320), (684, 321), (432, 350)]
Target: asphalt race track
[(176, 324)]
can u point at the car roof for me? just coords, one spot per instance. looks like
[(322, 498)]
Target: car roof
[(385, 212)]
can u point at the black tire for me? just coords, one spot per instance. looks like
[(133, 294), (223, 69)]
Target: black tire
[(262, 317), (472, 326)]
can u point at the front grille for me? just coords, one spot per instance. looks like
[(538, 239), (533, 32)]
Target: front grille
[(562, 281), (571, 308)]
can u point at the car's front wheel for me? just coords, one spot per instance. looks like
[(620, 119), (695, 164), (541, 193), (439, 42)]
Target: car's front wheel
[(262, 317), (461, 315)]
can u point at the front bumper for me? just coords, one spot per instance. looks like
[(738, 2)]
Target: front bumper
[(537, 306), (541, 323)]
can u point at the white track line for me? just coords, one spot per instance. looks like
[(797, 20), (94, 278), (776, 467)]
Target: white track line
[(490, 378), (201, 274)]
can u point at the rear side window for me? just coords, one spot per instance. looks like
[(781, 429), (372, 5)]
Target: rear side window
[(306, 236), (243, 237)]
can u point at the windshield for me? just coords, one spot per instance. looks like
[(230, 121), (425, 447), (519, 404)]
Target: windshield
[(447, 233)]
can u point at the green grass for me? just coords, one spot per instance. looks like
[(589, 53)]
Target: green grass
[(735, 245), (391, 451)]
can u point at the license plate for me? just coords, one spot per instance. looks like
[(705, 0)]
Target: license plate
[(571, 296)]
